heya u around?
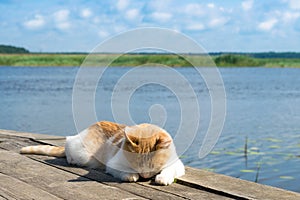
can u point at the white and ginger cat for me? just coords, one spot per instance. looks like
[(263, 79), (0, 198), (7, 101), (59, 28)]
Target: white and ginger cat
[(126, 152)]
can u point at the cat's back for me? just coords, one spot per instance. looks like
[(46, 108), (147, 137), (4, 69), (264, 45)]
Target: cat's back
[(98, 140), (95, 136), (104, 131)]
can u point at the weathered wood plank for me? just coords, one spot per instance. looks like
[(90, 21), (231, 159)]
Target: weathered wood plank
[(196, 184), (15, 143), (12, 143), (234, 186), (49, 139), (57, 182), (30, 135), (146, 189), (99, 176), (187, 192), (12, 188), (4, 196)]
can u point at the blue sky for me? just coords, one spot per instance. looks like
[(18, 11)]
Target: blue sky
[(218, 25)]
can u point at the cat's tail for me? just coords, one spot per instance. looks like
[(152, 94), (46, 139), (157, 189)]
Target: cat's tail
[(44, 150)]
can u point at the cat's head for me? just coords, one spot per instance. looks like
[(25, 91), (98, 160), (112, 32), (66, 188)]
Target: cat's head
[(148, 148)]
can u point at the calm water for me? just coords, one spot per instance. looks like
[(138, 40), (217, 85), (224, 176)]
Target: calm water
[(263, 107)]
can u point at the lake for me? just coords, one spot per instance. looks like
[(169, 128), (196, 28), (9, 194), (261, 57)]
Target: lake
[(263, 113)]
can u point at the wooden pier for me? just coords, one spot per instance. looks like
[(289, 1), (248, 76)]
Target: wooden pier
[(42, 177)]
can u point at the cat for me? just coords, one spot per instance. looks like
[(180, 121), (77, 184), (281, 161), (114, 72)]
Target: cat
[(125, 152)]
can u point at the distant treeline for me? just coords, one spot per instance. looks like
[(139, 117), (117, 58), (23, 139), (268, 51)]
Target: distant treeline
[(261, 54), (19, 50), (12, 49)]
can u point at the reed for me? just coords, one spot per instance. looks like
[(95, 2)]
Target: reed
[(171, 60)]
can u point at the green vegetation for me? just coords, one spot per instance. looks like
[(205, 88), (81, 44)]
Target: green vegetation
[(221, 60), (156, 59), (237, 61), (102, 60), (41, 59), (282, 62), (136, 60), (12, 49), (262, 54)]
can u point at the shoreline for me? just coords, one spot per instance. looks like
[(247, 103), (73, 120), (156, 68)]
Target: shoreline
[(132, 60)]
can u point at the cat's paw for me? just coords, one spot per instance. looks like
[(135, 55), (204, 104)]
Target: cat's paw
[(130, 177), (164, 179)]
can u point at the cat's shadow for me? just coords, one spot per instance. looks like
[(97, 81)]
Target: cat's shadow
[(98, 175)]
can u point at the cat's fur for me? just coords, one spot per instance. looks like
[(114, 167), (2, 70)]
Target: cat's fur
[(126, 152)]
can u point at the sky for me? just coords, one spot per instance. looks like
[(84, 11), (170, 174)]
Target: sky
[(217, 25)]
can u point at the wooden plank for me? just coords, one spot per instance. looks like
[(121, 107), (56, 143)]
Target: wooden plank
[(233, 186), (13, 143), (196, 184), (5, 197), (49, 139), (99, 176), (187, 192), (144, 189), (57, 182), (30, 135), (12, 188)]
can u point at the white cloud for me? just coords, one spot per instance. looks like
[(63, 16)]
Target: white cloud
[(96, 20), (61, 15), (222, 9), (194, 9), (103, 34), (161, 6), (37, 22), (86, 13), (268, 24), (211, 5), (247, 19), (132, 14), (195, 27), (294, 4), (289, 17), (61, 18), (161, 16), (120, 28), (63, 25), (247, 5), (217, 21), (122, 4)]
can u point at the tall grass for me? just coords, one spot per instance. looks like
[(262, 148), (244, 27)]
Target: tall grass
[(41, 59), (238, 61), (172, 60)]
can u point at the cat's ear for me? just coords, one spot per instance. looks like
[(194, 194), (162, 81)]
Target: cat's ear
[(129, 137), (164, 141)]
